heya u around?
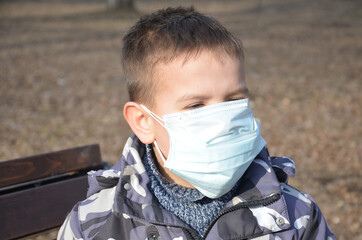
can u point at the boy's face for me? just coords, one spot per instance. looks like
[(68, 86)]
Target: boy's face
[(200, 81)]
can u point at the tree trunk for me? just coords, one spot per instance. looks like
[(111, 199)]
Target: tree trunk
[(120, 4)]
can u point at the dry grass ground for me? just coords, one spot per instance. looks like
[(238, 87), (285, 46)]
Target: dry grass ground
[(61, 85)]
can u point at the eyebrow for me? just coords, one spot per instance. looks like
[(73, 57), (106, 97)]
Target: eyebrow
[(243, 90), (188, 97)]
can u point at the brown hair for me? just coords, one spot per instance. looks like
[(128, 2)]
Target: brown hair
[(165, 35)]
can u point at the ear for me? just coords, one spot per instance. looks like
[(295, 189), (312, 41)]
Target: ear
[(139, 121)]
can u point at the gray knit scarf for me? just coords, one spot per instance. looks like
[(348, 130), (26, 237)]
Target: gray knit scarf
[(191, 206)]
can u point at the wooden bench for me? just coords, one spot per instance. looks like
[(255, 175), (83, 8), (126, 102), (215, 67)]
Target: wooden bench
[(37, 192)]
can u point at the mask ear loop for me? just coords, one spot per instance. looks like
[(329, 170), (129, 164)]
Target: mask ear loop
[(159, 152), (159, 120), (154, 116)]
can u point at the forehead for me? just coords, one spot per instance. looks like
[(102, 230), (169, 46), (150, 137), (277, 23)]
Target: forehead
[(193, 62), (206, 75)]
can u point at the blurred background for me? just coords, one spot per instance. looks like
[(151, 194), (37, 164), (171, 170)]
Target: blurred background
[(61, 84)]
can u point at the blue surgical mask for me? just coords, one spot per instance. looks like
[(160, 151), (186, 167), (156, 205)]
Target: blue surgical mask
[(211, 147)]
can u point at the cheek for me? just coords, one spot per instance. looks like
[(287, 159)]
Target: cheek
[(162, 139)]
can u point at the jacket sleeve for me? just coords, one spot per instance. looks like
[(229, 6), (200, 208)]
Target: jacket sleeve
[(71, 227), (317, 227)]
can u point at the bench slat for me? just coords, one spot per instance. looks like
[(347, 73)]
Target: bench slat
[(49, 164), (39, 208)]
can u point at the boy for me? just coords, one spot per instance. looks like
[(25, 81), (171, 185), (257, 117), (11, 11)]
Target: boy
[(196, 166)]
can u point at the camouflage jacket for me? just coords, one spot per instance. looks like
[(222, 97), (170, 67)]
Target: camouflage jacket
[(121, 206)]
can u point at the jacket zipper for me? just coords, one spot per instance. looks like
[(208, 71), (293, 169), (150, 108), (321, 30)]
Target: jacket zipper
[(189, 235), (251, 204)]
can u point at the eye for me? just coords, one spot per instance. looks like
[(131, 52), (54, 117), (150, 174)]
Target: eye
[(238, 94), (194, 106), (235, 99)]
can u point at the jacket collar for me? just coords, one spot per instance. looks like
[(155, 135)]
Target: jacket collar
[(134, 198)]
